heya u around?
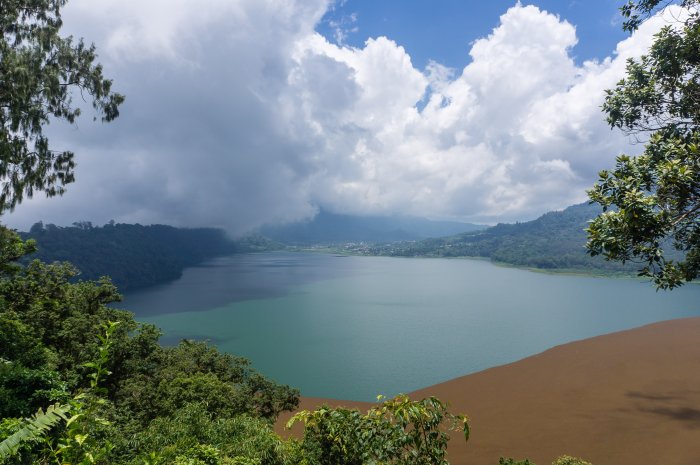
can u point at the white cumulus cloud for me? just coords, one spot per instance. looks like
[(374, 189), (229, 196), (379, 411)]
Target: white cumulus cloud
[(239, 113)]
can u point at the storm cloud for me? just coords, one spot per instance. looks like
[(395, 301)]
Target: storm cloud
[(239, 114)]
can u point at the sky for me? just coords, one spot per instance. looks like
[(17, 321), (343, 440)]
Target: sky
[(444, 30), (246, 112)]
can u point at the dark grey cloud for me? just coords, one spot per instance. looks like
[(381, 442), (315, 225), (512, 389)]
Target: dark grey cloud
[(238, 114)]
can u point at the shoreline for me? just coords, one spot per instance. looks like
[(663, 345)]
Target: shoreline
[(622, 398), (585, 273), (591, 273)]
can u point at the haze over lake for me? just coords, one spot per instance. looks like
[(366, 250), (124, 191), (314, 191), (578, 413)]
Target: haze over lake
[(354, 327)]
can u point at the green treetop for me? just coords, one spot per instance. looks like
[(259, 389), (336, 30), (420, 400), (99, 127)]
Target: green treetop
[(39, 71), (652, 201)]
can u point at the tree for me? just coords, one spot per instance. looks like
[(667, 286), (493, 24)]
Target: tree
[(399, 431), (39, 72), (651, 202)]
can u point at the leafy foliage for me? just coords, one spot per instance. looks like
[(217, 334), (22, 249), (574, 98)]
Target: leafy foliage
[(83, 441), (196, 373), (637, 11), (33, 429), (24, 390), (399, 431), (656, 195), (125, 385), (40, 71), (76, 444), (568, 460), (194, 433), (510, 461)]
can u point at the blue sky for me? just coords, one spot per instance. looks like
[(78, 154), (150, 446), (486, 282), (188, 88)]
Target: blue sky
[(245, 112), (442, 30)]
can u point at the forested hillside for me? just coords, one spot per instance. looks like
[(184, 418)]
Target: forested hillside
[(131, 254), (137, 398), (553, 241)]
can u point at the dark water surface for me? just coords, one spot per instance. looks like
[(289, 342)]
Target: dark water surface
[(355, 327)]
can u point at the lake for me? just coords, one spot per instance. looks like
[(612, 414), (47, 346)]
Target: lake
[(355, 327)]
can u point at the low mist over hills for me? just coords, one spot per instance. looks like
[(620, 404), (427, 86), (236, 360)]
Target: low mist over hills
[(331, 228)]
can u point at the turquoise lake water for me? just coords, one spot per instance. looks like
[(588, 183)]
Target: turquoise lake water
[(354, 327)]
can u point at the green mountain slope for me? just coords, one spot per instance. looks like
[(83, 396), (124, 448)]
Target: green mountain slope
[(553, 241)]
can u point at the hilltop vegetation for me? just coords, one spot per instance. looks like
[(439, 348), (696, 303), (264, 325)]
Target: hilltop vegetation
[(51, 354), (134, 255), (554, 241)]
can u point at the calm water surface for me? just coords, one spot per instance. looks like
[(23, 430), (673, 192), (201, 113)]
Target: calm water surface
[(355, 327)]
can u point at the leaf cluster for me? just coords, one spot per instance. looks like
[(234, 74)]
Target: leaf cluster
[(652, 202), (636, 12), (39, 73), (399, 431)]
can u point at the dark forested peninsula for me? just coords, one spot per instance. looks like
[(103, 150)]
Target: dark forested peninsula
[(134, 255)]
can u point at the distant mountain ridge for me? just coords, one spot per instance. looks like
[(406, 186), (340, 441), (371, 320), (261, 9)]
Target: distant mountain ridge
[(332, 228), (137, 256), (555, 240)]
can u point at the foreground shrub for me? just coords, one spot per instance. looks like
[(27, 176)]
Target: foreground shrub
[(563, 460), (398, 431)]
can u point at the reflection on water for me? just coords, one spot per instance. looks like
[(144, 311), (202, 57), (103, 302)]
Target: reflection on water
[(236, 278)]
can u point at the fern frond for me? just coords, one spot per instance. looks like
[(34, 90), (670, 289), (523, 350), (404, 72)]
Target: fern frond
[(33, 429)]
